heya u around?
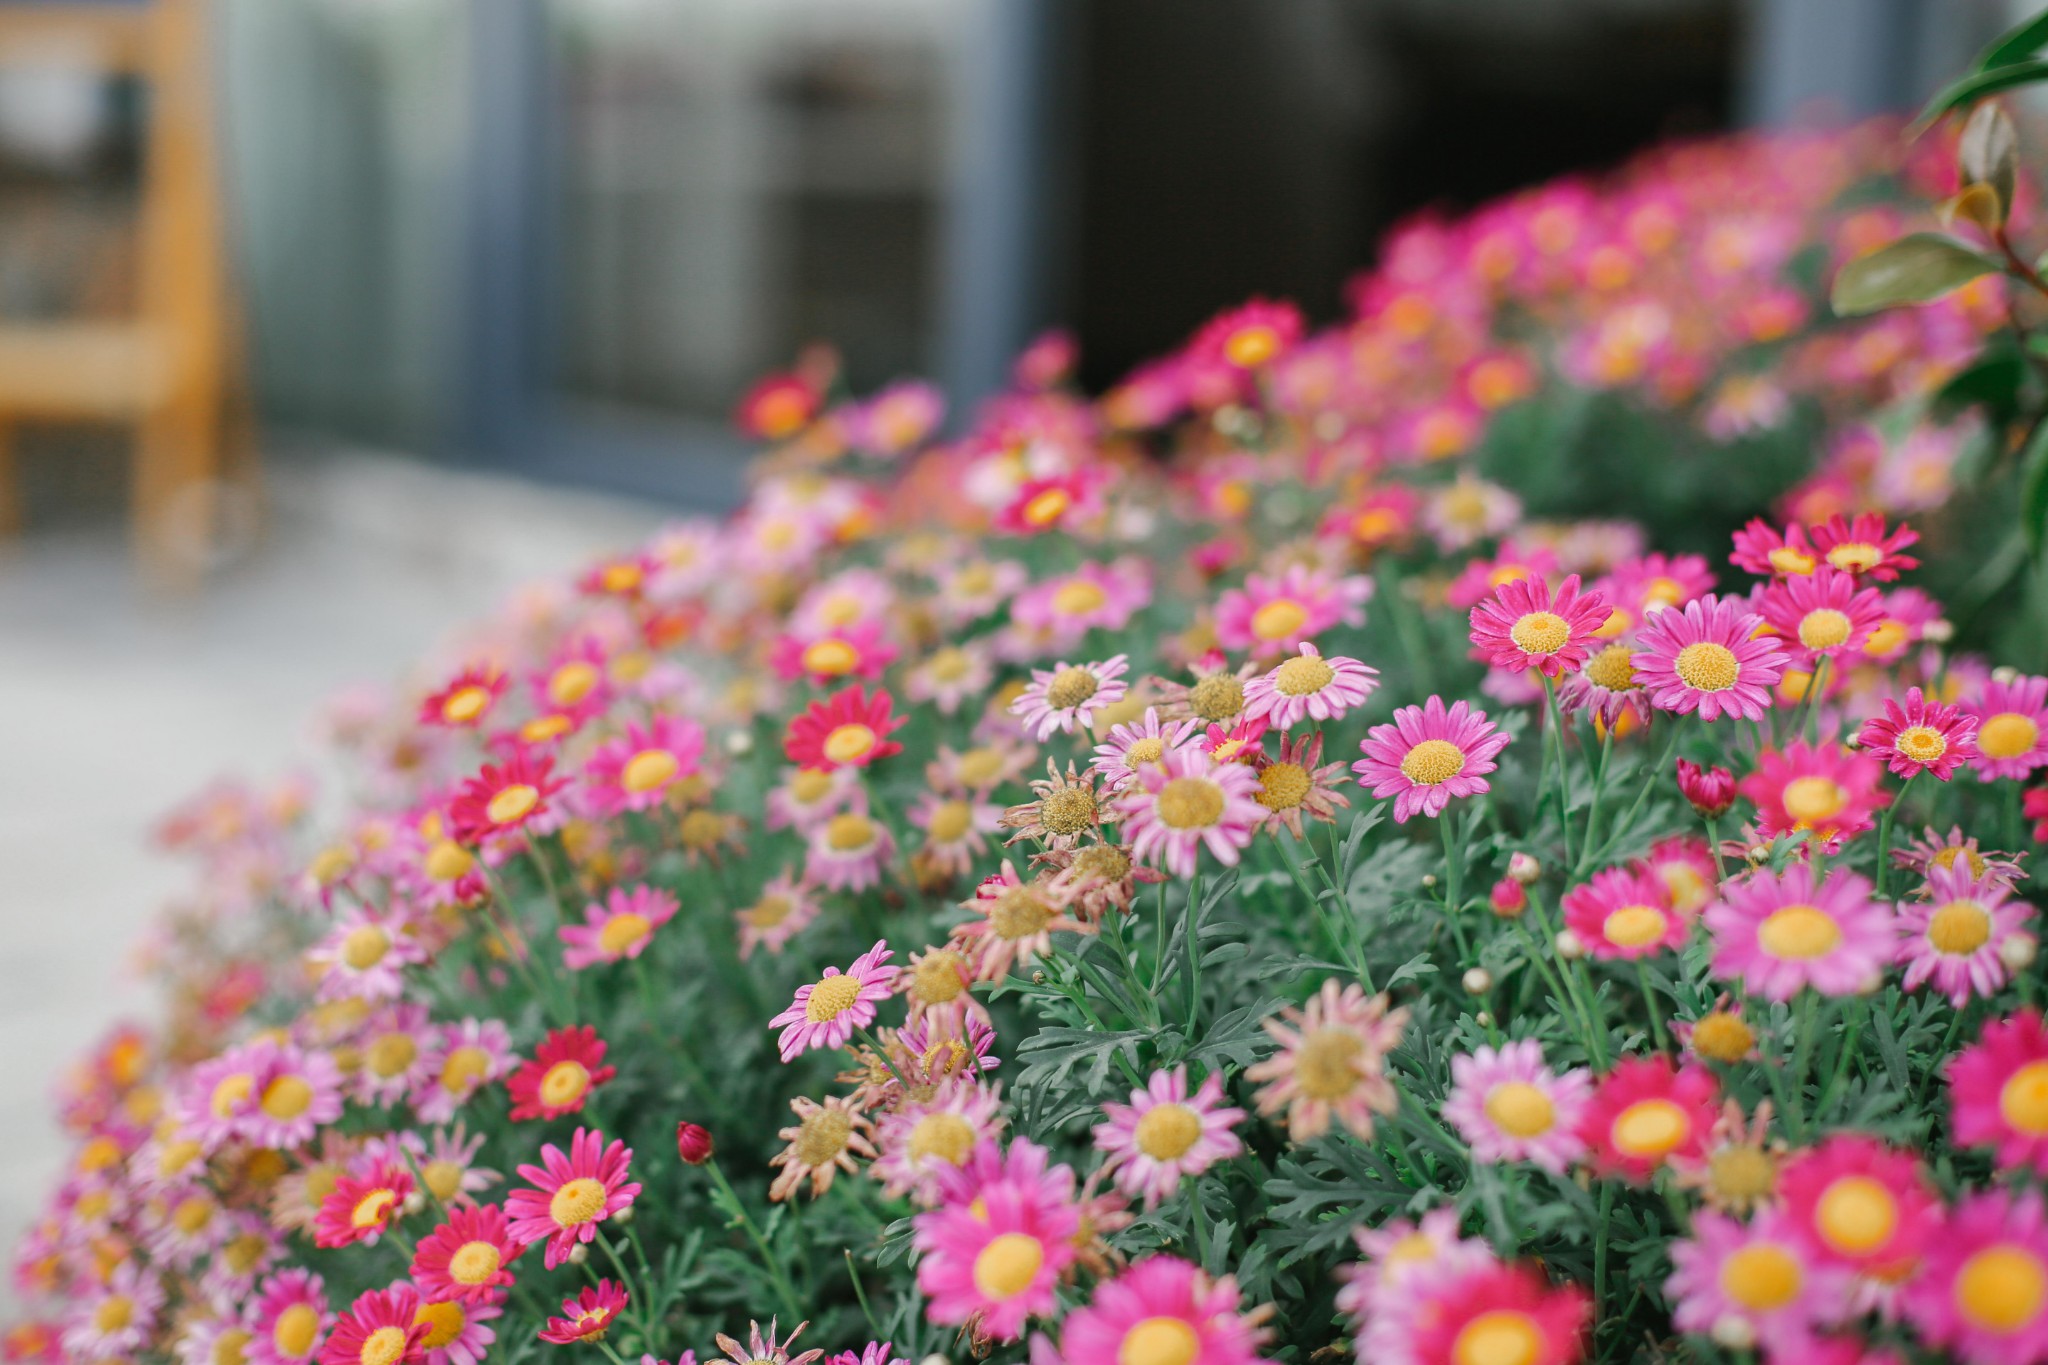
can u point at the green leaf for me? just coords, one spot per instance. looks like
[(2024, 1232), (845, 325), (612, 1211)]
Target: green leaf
[(1967, 91), (1913, 269), (2021, 40)]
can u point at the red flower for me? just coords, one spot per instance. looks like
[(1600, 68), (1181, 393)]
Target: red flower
[(777, 407), (359, 1207), (588, 1315), (1710, 790), (1646, 1111), (467, 698), (693, 1143), (566, 1067), (504, 797), (468, 1257), (847, 729)]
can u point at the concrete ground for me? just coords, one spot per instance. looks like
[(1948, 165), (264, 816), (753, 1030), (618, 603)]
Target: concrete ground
[(114, 705)]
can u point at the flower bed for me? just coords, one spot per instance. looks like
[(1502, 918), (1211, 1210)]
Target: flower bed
[(1218, 873)]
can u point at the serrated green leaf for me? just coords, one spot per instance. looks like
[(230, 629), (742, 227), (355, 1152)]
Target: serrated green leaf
[(1914, 269)]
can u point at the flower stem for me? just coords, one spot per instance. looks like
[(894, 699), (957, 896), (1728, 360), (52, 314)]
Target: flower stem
[(1884, 836), (784, 1290)]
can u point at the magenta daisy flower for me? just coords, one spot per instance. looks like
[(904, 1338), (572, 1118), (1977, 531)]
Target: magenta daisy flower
[(1274, 615), (620, 928), (996, 1259), (1954, 937), (1163, 1309), (1185, 802), (1509, 1106), (1065, 697), (1982, 1292), (1862, 1204), (1822, 789), (362, 1204), (1781, 933), (1308, 686), (587, 1316), (1428, 755), (1523, 626), (380, 1328), (1758, 1279), (469, 1257), (1625, 913), (1707, 657), (456, 1334), (2012, 727), (572, 1194), (1864, 547), (636, 771), (1820, 614), (1923, 736), (1998, 1091), (1164, 1134), (826, 1012)]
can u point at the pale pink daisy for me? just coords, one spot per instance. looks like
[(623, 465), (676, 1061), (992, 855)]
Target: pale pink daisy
[(1707, 657), (1016, 924), (363, 957), (1467, 510), (1524, 626), (1954, 937), (1165, 1133), (1133, 744), (807, 797), (265, 1092), (1428, 755), (459, 1060), (949, 676), (1185, 802), (1276, 614), (848, 852), (1777, 934), (921, 1138), (763, 1349), (2012, 727), (1059, 612), (1756, 1282), (393, 1050), (826, 1012), (1308, 686), (778, 914), (1923, 736), (1331, 1063), (1162, 1310), (118, 1318), (620, 928), (1065, 697), (956, 830), (1509, 1106)]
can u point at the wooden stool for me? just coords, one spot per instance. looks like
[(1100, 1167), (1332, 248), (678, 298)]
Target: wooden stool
[(167, 369)]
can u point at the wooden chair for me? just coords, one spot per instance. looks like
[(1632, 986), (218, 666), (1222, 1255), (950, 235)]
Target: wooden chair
[(166, 370)]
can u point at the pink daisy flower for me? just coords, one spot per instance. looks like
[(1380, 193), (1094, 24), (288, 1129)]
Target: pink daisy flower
[(265, 1092), (289, 1318), (118, 1318), (1862, 1205), (922, 1139), (505, 798), (1864, 547), (1186, 802), (826, 1012), (1061, 611), (466, 698), (1781, 933), (1707, 657), (956, 830), (1768, 553), (566, 1067), (379, 1328), (1922, 736), (1164, 1134), (587, 1316), (1757, 1281), (1523, 626), (1308, 687), (1510, 1310), (1428, 755), (456, 1334), (1514, 562), (2012, 727), (1646, 1112), (572, 1194), (1163, 1309), (391, 1049), (808, 797), (635, 772), (778, 914), (1509, 1106), (848, 852), (761, 1348), (1998, 1091), (857, 649), (469, 1257), (1954, 937), (1624, 913), (459, 1060), (1823, 790), (847, 729), (1275, 615), (997, 1259), (364, 956), (1982, 1292), (361, 1206), (1065, 697), (621, 928), (1821, 614)]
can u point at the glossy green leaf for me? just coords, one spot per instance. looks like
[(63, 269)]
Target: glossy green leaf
[(1967, 91), (1913, 269), (2021, 40)]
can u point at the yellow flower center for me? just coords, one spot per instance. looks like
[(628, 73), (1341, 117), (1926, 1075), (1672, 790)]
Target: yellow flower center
[(465, 704), (287, 1097), (295, 1329), (1162, 1341), (1799, 933), (1959, 928), (1167, 1131), (1217, 697), (1070, 687), (1079, 597), (2023, 1099), (1722, 1037), (1885, 638), (1190, 803), (1855, 556), (443, 1179), (2001, 1288), (1018, 914), (1499, 1337), (1742, 1175), (1650, 1128), (622, 932), (1540, 632), (1761, 1277), (231, 1347), (1856, 1215), (444, 1321), (231, 1094), (2008, 735), (831, 997), (1279, 619), (1520, 1109), (392, 1054), (769, 911), (448, 861), (822, 1136), (1068, 810), (513, 803), (1327, 1065), (1282, 786), (563, 1084), (833, 658), (1006, 1267), (1811, 800), (649, 769), (192, 1214), (374, 1209), (849, 742), (1791, 562), (1246, 347), (1632, 926), (474, 1263), (577, 1202), (1303, 675), (1612, 668), (949, 820), (1432, 762), (944, 1135), (1707, 667), (1824, 628), (463, 1068), (383, 1347), (1921, 743), (572, 682), (1047, 507), (936, 978), (848, 832), (364, 947)]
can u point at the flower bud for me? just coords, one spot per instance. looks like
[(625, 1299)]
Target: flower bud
[(1569, 946), (1710, 790), (1484, 1018), (2005, 675), (1733, 1332), (1938, 631), (1428, 881), (623, 1216), (693, 1143), (1508, 898), (1478, 981), (1524, 869), (414, 1201), (2019, 951), (1758, 855), (739, 743), (579, 1253)]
